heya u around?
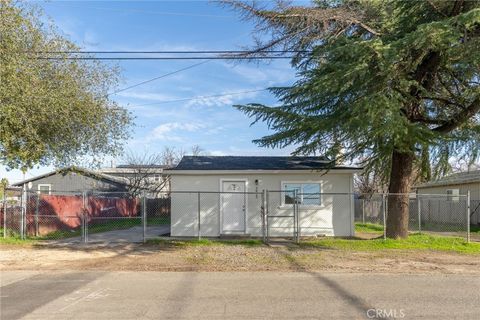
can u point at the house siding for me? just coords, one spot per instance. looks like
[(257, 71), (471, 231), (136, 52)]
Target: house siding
[(333, 218), (474, 189), (72, 182)]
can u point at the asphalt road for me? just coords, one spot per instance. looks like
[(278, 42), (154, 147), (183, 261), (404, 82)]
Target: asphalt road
[(268, 295)]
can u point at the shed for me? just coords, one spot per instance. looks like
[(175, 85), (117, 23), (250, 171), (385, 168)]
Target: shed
[(226, 192)]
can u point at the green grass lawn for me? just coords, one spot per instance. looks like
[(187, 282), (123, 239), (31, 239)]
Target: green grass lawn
[(475, 229), (368, 228), (413, 242)]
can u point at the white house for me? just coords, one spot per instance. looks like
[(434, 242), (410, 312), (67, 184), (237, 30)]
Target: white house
[(223, 195)]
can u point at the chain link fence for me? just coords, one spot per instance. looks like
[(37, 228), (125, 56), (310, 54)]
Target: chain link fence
[(212, 214), (444, 215), (290, 214), (293, 215)]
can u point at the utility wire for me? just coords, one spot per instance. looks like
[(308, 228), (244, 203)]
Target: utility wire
[(169, 52), (159, 77), (200, 97), (165, 58)]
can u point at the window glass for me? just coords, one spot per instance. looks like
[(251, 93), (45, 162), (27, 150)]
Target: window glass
[(453, 195), (289, 192), (44, 189), (307, 193), (311, 194)]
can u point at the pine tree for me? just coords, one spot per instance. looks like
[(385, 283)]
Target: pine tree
[(395, 83)]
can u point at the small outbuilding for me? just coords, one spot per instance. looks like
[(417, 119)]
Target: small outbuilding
[(224, 195)]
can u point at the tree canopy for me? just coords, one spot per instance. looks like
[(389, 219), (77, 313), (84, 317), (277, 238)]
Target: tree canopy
[(52, 111), (393, 83)]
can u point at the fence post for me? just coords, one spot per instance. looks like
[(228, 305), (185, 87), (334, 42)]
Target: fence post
[(4, 214), (384, 212), (198, 218), (419, 213), (267, 222), (85, 217), (468, 216), (264, 215), (363, 211), (22, 212), (37, 205), (144, 217), (295, 216)]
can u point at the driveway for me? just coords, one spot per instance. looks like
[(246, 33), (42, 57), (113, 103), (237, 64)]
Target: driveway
[(134, 234), (243, 295)]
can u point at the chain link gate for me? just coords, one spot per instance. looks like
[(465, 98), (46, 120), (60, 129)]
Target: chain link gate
[(281, 218)]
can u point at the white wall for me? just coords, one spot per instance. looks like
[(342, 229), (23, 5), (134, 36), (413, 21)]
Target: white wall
[(333, 218)]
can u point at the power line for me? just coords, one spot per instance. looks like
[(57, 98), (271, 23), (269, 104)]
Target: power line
[(167, 58), (201, 97), (159, 77), (168, 52)]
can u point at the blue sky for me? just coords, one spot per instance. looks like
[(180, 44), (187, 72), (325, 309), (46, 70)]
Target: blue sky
[(211, 123)]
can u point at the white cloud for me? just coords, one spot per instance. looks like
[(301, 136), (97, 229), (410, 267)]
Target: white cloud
[(217, 153), (147, 96), (170, 131), (227, 99), (271, 74)]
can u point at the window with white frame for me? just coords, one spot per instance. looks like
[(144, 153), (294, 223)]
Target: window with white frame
[(156, 178), (44, 188), (308, 193), (453, 195)]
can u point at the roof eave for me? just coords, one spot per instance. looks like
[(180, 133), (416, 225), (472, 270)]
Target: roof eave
[(266, 171)]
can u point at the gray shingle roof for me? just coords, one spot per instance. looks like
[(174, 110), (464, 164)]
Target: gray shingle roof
[(83, 171), (453, 179), (255, 163)]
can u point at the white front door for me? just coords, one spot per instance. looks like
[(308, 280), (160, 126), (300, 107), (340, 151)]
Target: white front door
[(233, 202)]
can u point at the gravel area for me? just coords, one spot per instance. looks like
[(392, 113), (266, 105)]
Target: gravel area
[(137, 257)]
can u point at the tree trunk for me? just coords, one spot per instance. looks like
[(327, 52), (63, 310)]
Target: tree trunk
[(398, 199)]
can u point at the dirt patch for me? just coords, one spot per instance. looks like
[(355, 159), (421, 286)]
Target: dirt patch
[(136, 257)]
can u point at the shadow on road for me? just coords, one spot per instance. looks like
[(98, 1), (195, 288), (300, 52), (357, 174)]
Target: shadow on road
[(24, 296), (360, 304)]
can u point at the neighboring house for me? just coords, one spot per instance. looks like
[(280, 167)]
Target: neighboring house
[(327, 210), (454, 185), (141, 176), (73, 180)]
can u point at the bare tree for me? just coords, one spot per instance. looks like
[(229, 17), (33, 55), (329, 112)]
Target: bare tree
[(143, 174), (369, 183), (144, 169), (170, 156), (464, 165), (196, 150)]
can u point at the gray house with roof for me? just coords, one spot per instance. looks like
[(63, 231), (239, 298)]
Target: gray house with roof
[(230, 202), (73, 180), (454, 185)]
